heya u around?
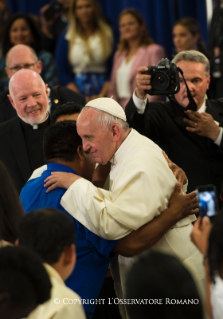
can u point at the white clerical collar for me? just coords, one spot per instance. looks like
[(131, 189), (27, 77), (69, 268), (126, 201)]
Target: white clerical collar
[(114, 158), (35, 126)]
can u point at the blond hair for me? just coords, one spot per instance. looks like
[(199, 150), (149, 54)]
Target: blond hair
[(100, 27)]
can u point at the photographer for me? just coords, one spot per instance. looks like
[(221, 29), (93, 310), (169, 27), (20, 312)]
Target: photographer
[(54, 19), (192, 139)]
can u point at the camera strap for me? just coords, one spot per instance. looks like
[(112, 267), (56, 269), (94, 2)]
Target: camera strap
[(192, 105)]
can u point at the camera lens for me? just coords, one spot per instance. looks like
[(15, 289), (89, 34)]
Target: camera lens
[(160, 81)]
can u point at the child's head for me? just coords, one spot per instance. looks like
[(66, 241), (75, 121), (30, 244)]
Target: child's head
[(24, 282), (51, 234)]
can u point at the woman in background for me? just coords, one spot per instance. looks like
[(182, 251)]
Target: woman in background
[(11, 211), (22, 29), (83, 51), (187, 36), (135, 48)]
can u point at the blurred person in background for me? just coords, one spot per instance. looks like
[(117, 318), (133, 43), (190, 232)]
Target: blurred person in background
[(170, 290), (4, 13), (216, 31), (19, 57), (83, 51), (51, 234), (22, 29), (11, 211), (187, 36), (24, 282), (135, 48), (216, 50), (54, 19), (209, 240)]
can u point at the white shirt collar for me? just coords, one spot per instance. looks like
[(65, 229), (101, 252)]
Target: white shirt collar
[(203, 106)]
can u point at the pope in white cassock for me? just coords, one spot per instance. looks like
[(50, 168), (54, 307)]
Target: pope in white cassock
[(140, 185)]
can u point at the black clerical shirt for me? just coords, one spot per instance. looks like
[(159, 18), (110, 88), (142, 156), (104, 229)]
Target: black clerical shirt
[(34, 142)]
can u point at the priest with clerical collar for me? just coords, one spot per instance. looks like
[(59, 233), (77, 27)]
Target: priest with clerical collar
[(21, 138)]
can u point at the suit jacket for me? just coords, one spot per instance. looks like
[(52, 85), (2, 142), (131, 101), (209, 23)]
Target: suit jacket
[(13, 152), (147, 55), (58, 95), (198, 156)]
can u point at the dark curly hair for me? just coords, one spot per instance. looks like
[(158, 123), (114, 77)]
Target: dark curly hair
[(61, 141), (47, 232), (68, 108)]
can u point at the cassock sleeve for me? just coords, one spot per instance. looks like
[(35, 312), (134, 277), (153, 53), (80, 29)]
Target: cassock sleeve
[(139, 195)]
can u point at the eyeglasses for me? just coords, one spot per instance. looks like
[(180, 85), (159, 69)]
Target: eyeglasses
[(24, 66)]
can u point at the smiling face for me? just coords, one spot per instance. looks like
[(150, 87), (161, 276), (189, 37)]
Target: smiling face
[(20, 32), (29, 96), (183, 39), (197, 81), (98, 140), (129, 27)]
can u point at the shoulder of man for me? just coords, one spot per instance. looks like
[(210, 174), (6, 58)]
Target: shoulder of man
[(8, 125), (216, 104), (159, 106)]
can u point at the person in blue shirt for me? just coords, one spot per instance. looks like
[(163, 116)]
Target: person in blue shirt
[(63, 152)]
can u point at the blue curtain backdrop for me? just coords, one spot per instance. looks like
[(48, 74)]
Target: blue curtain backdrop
[(159, 14)]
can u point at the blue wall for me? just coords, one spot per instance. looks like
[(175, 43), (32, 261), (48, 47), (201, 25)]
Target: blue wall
[(159, 14)]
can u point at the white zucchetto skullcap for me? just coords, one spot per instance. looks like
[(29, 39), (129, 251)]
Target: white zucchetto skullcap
[(108, 105)]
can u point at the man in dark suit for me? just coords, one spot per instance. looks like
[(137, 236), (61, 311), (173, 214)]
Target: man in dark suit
[(22, 56), (193, 140), (21, 137)]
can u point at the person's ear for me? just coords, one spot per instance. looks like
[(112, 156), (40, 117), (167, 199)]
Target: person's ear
[(69, 255), (17, 242), (80, 153), (116, 132), (208, 81), (46, 90), (11, 100), (8, 72), (39, 66)]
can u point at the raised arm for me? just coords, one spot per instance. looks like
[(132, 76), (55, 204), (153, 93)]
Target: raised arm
[(148, 235)]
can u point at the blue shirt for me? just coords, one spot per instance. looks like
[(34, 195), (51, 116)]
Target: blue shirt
[(93, 252)]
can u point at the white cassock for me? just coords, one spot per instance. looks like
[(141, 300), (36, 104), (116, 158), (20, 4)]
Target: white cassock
[(140, 187), (141, 184)]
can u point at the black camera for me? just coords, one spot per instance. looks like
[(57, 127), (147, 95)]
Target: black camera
[(54, 8), (164, 78)]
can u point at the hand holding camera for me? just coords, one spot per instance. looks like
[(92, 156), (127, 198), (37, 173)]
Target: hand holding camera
[(142, 82), (162, 79)]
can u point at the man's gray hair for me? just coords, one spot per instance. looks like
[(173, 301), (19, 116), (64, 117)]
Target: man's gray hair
[(193, 56), (106, 120)]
